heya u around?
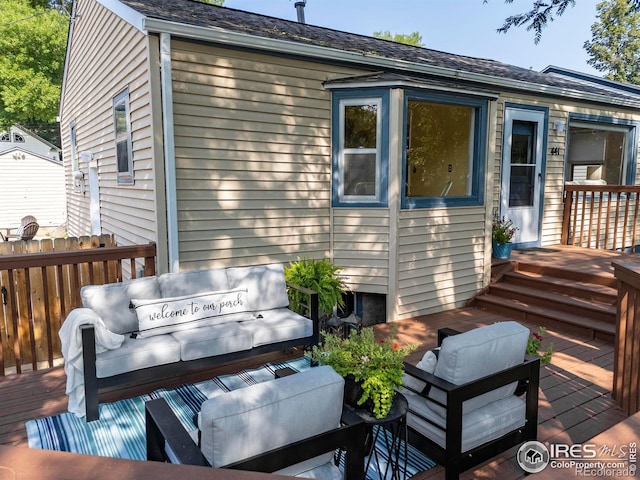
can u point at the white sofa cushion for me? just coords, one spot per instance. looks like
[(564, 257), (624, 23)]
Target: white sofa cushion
[(136, 354), (278, 325), (111, 301), (246, 422), (195, 281), (166, 315), (477, 353), (265, 284), (478, 427), (213, 340)]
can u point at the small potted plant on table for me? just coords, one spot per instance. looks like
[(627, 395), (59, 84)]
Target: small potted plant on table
[(376, 365)]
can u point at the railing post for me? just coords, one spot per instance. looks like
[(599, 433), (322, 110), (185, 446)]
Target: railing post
[(626, 361), (566, 217)]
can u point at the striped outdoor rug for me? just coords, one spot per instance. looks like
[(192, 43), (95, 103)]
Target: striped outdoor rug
[(120, 431)]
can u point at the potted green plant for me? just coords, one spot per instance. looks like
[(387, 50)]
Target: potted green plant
[(502, 232), (377, 365), (319, 275)]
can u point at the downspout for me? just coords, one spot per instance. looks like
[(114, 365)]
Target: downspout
[(169, 152)]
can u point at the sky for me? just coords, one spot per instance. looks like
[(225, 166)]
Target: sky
[(463, 27)]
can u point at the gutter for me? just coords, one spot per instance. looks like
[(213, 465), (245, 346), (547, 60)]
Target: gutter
[(237, 39), (169, 152)]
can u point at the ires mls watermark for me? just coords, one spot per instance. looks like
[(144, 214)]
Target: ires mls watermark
[(585, 460)]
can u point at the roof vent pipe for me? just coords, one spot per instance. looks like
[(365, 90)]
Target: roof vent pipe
[(300, 10)]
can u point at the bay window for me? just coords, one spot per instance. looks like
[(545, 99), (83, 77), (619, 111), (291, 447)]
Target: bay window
[(444, 151)]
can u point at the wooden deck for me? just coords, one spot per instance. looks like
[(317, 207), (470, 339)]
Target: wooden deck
[(575, 398)]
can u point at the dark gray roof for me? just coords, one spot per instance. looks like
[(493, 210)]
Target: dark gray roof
[(191, 12)]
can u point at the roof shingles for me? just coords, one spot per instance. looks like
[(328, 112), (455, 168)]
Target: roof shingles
[(193, 12)]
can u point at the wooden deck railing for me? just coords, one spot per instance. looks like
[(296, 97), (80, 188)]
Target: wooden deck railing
[(38, 290), (626, 362), (601, 216)]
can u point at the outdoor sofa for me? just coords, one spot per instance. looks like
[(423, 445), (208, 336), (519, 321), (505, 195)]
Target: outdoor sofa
[(148, 328)]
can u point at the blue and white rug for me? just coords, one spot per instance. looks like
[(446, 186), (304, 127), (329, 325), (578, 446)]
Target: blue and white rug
[(120, 431)]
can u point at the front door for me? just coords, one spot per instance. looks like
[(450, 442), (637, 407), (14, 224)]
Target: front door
[(523, 172)]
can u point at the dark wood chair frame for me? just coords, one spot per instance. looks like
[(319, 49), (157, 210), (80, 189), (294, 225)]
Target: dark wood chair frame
[(93, 384), (451, 457), (163, 426)]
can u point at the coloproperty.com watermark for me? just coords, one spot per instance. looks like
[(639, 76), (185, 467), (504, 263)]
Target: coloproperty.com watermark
[(584, 460)]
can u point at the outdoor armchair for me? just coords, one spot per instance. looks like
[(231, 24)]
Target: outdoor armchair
[(26, 231), (289, 426), (462, 406)]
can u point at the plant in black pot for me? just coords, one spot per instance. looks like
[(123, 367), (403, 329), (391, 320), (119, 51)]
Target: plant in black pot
[(376, 366), (322, 277)]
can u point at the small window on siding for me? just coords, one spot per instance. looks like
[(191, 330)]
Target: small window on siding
[(360, 157), (17, 138), (5, 137), (122, 126)]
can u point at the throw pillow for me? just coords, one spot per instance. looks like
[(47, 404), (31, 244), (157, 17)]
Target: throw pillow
[(429, 360), (165, 315)]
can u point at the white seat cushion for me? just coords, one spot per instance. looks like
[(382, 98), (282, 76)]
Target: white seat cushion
[(278, 325), (213, 340), (477, 353), (137, 353), (478, 427), (242, 423)]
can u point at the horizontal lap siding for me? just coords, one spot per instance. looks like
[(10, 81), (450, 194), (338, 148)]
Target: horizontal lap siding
[(440, 259), (361, 248), (253, 156), (109, 55)]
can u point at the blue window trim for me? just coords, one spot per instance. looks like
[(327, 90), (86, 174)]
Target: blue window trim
[(632, 147), (383, 182), (479, 147)]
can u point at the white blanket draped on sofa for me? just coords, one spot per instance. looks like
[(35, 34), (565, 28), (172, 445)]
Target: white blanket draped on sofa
[(71, 339)]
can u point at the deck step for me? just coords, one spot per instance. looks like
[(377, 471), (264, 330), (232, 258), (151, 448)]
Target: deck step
[(552, 295), (549, 317), (589, 291), (605, 278), (559, 302)]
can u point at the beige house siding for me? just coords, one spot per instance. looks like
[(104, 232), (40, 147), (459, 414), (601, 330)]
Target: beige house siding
[(361, 247), (441, 260), (253, 156), (128, 211)]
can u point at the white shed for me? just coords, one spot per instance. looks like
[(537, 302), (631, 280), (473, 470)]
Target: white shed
[(31, 179)]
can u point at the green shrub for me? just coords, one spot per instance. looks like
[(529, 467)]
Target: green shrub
[(320, 276)]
